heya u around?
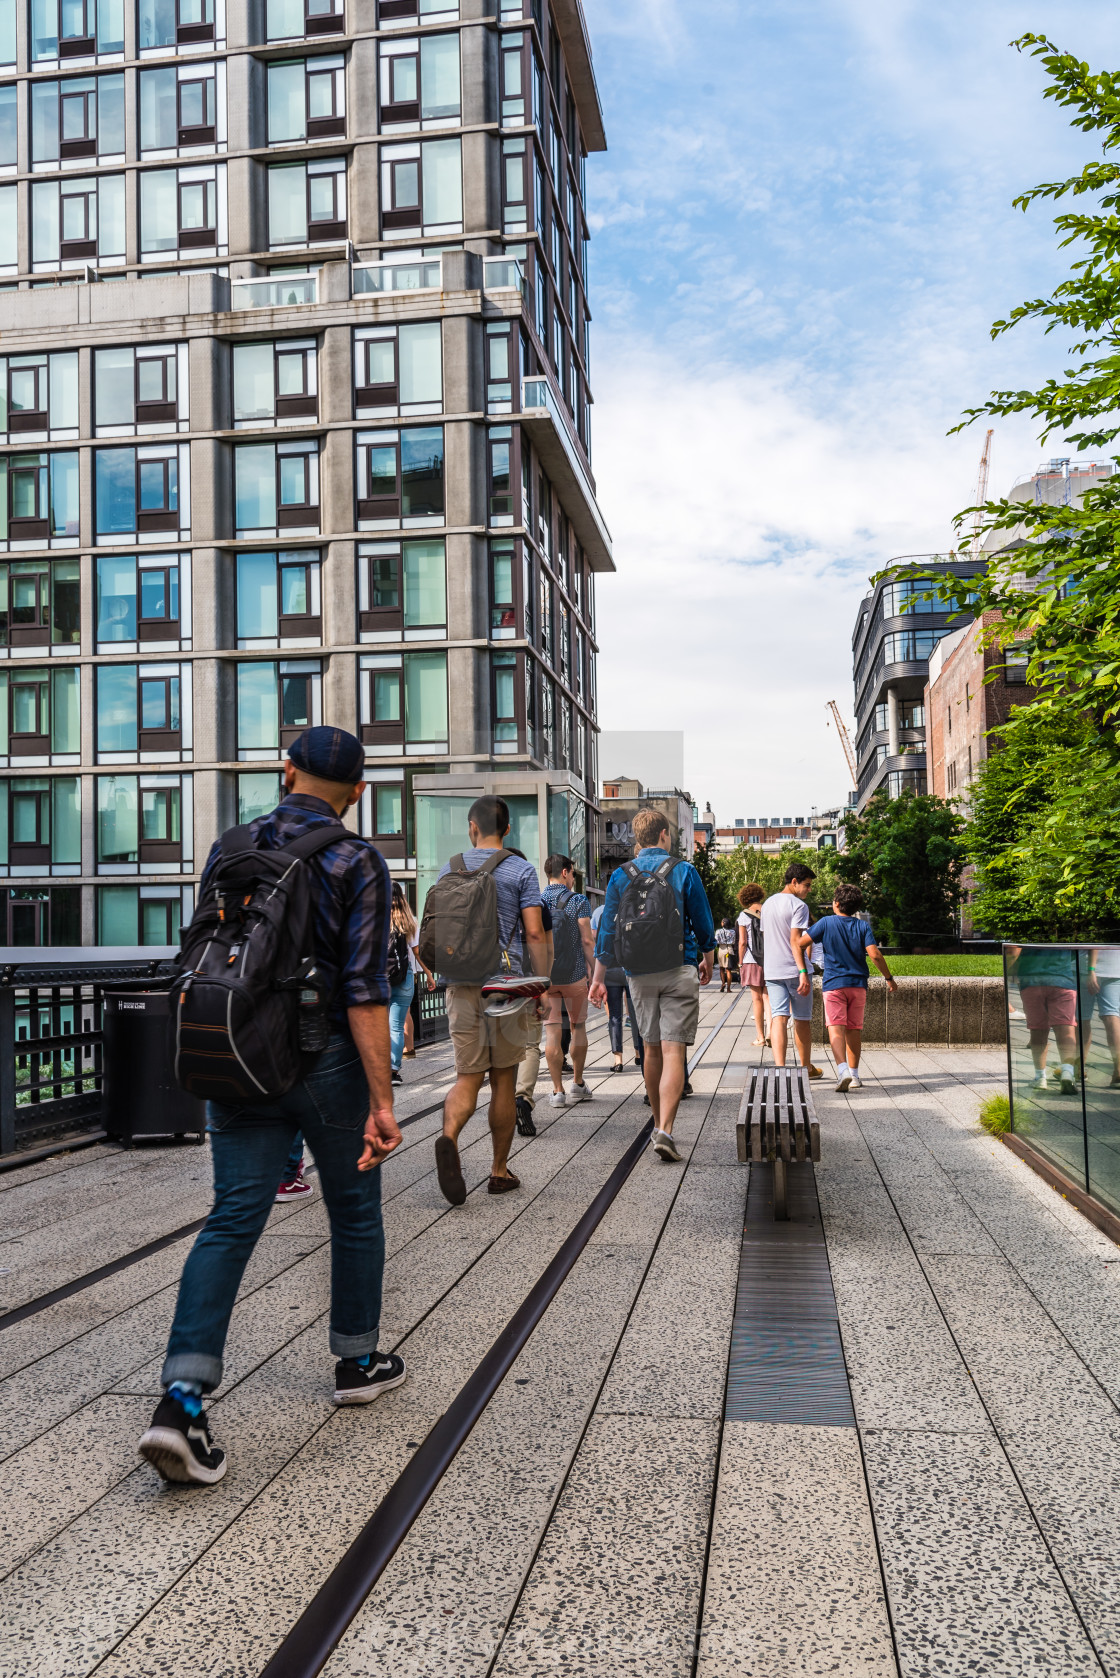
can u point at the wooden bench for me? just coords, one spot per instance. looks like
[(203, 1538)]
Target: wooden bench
[(778, 1123)]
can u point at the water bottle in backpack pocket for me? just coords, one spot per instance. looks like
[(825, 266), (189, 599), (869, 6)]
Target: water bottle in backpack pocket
[(648, 931)]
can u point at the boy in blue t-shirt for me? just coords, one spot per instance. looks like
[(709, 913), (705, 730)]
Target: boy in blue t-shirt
[(846, 943)]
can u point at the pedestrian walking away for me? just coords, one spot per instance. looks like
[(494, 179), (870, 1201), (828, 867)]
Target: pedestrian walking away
[(1047, 981), (482, 917), (618, 1002), (341, 1101), (725, 953), (525, 1094), (788, 982), (846, 942), (572, 965), (751, 958), (403, 965), (657, 926)]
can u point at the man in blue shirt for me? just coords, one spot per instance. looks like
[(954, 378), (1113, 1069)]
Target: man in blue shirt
[(846, 942), (667, 1004)]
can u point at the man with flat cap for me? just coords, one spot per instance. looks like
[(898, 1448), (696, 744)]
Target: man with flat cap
[(343, 1106)]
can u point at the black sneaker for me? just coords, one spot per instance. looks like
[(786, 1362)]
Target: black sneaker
[(397, 1078), (180, 1447), (525, 1125), (567, 1066), (355, 1385), (687, 1091)]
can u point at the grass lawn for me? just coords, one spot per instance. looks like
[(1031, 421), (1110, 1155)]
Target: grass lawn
[(964, 967)]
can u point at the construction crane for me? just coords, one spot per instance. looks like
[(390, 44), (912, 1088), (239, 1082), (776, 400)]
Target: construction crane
[(844, 741), (982, 487)]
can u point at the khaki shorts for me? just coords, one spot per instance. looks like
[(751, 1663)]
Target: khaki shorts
[(667, 1005), (571, 997), (480, 1041)]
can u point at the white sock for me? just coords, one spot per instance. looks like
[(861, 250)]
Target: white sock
[(1067, 1069)]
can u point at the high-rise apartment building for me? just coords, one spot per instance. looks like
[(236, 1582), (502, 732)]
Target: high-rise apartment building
[(294, 427)]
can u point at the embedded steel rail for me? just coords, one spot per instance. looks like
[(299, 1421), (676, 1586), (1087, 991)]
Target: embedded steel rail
[(319, 1629)]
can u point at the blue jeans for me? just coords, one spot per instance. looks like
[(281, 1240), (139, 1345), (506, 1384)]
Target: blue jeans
[(295, 1159), (400, 1001), (249, 1146)]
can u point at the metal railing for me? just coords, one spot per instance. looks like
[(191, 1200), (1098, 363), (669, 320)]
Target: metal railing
[(51, 1016)]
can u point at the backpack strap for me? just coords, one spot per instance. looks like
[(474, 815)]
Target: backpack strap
[(457, 865), (236, 840), (664, 869), (632, 871), (317, 840)]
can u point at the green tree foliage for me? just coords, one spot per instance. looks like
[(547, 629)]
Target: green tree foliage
[(706, 862), (1045, 849), (748, 862), (1045, 854), (906, 854)]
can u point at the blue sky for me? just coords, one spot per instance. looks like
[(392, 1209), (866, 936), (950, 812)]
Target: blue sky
[(801, 234)]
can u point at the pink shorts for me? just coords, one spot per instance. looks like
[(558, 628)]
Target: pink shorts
[(750, 973), (571, 997), (1047, 1005), (845, 1006)]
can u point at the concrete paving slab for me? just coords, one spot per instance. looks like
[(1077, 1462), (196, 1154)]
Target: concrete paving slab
[(971, 1586), (793, 1587)]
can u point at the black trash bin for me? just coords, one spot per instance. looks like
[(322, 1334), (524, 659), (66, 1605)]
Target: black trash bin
[(141, 1096)]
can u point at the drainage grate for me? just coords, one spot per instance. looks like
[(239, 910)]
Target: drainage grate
[(786, 1362)]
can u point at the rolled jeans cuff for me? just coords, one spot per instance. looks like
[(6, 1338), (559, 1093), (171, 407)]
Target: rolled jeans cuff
[(192, 1366), (353, 1345)]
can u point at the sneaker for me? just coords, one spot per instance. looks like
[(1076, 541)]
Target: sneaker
[(1115, 1082), (525, 1125), (558, 1099), (397, 1077), (854, 1082), (687, 1091), (664, 1146), (296, 1189), (1069, 1080), (354, 1384), (579, 1092), (843, 1079), (179, 1446), (1038, 1082), (567, 1066)]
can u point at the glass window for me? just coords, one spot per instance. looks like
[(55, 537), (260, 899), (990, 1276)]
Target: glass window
[(9, 228), (389, 809), (118, 825), (439, 77), (7, 31), (257, 795), (159, 119), (116, 598), (116, 708), (257, 720), (287, 204), (425, 591), (442, 182), (9, 125), (425, 696), (421, 362), (287, 102), (255, 493), (254, 382), (257, 605), (422, 472)]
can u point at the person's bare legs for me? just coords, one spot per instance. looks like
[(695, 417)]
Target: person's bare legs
[(855, 1047), (778, 1038), (1065, 1036), (554, 1055), (664, 1070), (803, 1037), (758, 1003), (1112, 1032), (461, 1101), (1040, 1046), (503, 1115), (578, 1051), (838, 1042)]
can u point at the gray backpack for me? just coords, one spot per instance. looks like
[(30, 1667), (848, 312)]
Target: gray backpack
[(459, 935)]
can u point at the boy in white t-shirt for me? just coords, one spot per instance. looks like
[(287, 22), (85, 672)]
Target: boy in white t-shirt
[(788, 980)]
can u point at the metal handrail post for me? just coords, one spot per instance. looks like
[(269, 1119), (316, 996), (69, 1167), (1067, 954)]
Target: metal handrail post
[(7, 1068)]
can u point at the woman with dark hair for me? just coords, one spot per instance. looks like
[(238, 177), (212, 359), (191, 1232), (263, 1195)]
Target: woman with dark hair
[(751, 899), (402, 962)]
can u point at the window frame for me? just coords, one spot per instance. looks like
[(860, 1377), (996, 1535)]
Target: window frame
[(286, 409), (386, 512), (304, 629)]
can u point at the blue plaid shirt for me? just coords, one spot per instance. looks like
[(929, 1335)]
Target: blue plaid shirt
[(352, 894)]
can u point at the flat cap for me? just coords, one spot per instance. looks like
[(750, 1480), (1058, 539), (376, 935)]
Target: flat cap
[(329, 753)]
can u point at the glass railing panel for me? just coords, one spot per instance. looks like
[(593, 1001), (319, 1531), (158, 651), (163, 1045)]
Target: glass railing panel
[(1099, 989), (501, 273), (1043, 1053), (381, 277), (274, 294)]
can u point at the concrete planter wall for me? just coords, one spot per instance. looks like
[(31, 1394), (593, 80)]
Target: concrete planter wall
[(928, 1010)]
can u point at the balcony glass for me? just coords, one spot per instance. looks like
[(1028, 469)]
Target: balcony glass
[(502, 273), (395, 276), (274, 294)]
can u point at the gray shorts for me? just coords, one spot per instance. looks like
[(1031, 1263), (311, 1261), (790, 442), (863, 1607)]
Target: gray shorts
[(667, 1005)]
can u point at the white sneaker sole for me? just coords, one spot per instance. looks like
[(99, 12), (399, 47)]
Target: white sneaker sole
[(667, 1150), (169, 1453), (366, 1395), (575, 1095), (843, 1082)]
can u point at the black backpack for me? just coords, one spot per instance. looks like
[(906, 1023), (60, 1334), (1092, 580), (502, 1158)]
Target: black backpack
[(567, 945), (235, 997), (459, 935), (648, 934), (397, 965)]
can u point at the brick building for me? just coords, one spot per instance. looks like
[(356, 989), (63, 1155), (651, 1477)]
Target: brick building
[(961, 708)]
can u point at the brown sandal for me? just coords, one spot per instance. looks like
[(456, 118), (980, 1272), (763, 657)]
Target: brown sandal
[(449, 1171), (503, 1185)]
